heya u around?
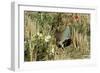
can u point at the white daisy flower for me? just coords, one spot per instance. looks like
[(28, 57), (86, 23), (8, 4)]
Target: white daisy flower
[(47, 38), (39, 34)]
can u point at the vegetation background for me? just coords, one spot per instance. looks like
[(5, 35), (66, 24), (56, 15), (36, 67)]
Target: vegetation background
[(40, 41)]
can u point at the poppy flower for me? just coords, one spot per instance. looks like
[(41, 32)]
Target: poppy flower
[(76, 17)]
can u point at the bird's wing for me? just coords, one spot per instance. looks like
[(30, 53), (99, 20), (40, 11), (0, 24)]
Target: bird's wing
[(66, 33)]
